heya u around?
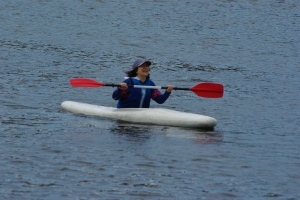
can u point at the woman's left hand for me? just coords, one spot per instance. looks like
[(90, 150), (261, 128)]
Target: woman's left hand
[(170, 88)]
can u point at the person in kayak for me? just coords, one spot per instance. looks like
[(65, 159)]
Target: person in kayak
[(139, 97)]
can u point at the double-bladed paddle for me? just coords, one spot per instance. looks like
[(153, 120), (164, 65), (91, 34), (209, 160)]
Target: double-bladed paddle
[(207, 90)]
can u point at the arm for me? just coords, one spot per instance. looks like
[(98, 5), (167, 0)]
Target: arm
[(120, 92), (160, 98), (116, 94)]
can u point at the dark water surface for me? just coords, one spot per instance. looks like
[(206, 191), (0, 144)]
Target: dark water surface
[(251, 47)]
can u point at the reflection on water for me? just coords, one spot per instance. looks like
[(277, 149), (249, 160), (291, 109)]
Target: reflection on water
[(209, 138), (138, 132), (132, 132)]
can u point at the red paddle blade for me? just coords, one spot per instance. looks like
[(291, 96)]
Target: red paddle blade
[(85, 82), (208, 90)]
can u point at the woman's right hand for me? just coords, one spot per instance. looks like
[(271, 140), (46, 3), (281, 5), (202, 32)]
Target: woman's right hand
[(123, 86)]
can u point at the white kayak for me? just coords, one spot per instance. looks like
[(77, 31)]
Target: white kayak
[(158, 116)]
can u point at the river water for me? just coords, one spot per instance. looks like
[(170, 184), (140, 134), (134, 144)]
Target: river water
[(249, 46)]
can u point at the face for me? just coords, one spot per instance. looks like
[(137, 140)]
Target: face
[(143, 70)]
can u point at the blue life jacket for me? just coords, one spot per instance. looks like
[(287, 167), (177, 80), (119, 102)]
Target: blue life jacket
[(138, 97)]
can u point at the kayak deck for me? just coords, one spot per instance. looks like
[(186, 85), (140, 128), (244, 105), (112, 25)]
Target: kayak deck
[(158, 116)]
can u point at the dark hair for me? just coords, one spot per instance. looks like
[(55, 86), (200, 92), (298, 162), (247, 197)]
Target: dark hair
[(132, 73)]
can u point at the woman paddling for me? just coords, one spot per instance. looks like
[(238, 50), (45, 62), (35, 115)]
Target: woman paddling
[(139, 97)]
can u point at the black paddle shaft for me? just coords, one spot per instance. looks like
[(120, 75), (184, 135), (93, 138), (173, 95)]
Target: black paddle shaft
[(176, 88)]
